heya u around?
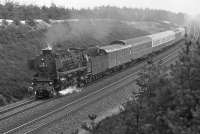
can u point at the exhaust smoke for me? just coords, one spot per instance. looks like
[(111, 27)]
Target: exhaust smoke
[(77, 31), (70, 90)]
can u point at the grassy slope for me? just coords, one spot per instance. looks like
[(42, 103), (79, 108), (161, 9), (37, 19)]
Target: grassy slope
[(19, 44)]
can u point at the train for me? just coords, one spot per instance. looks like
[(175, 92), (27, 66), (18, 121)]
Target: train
[(55, 70)]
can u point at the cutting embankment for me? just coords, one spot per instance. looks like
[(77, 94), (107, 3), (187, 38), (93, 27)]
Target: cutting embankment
[(20, 43)]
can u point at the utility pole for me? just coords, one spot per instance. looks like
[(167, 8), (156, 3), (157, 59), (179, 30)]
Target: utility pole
[(137, 98)]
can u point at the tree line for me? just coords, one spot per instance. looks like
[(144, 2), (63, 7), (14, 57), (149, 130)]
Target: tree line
[(15, 11)]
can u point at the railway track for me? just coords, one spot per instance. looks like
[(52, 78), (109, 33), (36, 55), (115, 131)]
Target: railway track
[(40, 121), (29, 104), (15, 105)]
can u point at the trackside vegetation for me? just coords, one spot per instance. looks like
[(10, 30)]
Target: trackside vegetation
[(17, 44), (168, 101)]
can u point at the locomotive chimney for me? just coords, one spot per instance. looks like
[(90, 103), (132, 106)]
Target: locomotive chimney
[(46, 51)]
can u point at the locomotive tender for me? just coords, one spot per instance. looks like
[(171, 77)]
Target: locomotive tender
[(57, 70)]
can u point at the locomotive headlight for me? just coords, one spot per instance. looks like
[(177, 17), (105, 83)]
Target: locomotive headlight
[(30, 89), (50, 83), (42, 64), (62, 79)]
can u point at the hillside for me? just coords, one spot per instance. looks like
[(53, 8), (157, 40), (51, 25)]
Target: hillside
[(20, 43)]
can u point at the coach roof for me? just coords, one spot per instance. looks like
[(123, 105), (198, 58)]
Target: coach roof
[(115, 47), (122, 42)]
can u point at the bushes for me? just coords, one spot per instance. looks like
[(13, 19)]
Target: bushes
[(18, 44)]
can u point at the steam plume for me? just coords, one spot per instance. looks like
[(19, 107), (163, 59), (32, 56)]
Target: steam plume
[(77, 30)]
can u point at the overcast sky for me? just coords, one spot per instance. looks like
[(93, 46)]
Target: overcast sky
[(188, 6)]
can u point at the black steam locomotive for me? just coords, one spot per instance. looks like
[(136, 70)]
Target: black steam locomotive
[(55, 71)]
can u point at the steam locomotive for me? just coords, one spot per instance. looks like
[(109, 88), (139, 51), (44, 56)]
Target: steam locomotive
[(57, 70)]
